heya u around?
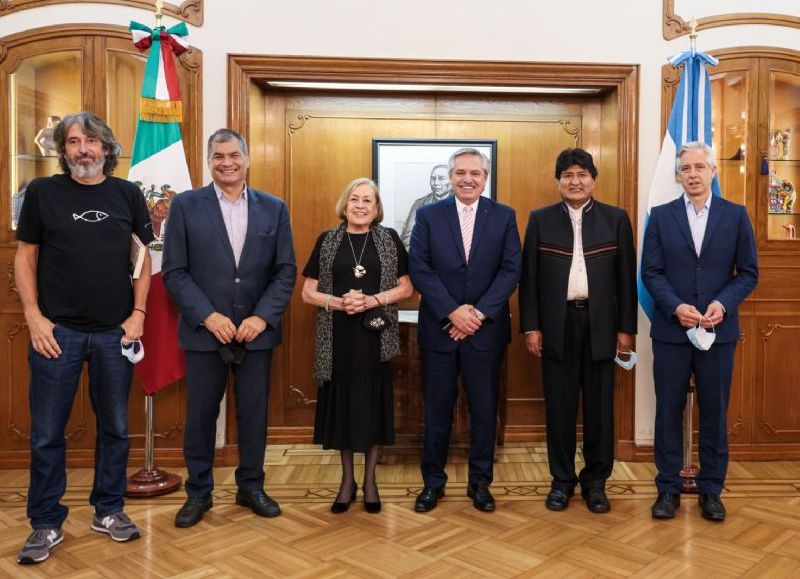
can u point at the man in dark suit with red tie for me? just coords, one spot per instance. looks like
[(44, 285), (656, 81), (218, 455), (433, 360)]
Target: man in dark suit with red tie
[(465, 261)]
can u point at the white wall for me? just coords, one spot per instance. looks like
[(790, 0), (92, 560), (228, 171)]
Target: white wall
[(610, 31)]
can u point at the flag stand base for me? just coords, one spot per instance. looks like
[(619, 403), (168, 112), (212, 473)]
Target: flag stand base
[(151, 481), (689, 470)]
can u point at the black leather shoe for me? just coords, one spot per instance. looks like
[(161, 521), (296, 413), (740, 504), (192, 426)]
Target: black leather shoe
[(337, 508), (596, 500), (258, 502), (192, 511), (426, 500), (557, 500), (482, 499), (711, 507), (665, 506)]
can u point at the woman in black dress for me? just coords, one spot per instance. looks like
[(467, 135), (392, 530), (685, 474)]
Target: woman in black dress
[(356, 275)]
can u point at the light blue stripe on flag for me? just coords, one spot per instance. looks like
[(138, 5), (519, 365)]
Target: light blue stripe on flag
[(690, 120)]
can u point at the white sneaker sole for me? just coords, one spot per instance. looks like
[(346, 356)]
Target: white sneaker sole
[(31, 560), (102, 529)]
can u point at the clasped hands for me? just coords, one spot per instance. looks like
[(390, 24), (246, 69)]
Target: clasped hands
[(225, 330), (689, 316), (464, 322), (355, 302)]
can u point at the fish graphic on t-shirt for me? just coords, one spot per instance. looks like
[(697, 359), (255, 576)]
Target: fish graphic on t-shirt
[(92, 216)]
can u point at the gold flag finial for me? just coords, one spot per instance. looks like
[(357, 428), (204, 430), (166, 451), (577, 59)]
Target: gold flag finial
[(159, 13), (693, 33)]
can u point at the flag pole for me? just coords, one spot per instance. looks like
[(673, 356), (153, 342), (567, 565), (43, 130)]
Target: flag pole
[(151, 481), (689, 470)]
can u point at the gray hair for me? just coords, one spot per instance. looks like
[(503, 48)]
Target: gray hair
[(437, 167), (468, 151), (694, 146), (224, 136), (91, 126)]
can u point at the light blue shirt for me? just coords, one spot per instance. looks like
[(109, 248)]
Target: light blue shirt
[(235, 217), (698, 220)]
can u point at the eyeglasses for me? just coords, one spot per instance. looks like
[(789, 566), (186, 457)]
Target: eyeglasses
[(581, 176)]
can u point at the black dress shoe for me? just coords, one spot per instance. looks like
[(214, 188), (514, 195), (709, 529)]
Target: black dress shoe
[(665, 506), (192, 511), (337, 508), (711, 507), (557, 500), (596, 500), (426, 500), (482, 499), (258, 502)]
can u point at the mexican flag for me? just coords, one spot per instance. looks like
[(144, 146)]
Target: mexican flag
[(158, 167)]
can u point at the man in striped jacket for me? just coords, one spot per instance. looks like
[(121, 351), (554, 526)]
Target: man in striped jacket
[(577, 301)]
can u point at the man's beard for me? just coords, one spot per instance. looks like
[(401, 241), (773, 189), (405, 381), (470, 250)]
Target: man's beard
[(83, 171)]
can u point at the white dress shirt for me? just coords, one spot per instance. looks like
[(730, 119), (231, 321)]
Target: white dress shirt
[(578, 285), (697, 221)]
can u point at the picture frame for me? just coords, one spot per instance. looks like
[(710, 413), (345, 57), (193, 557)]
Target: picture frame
[(409, 174)]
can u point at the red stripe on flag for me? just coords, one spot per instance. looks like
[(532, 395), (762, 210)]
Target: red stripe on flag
[(170, 72), (163, 361)]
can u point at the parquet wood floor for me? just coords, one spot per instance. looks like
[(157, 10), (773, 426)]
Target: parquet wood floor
[(761, 537)]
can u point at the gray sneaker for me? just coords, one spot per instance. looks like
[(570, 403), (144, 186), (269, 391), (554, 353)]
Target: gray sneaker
[(37, 547), (117, 525)]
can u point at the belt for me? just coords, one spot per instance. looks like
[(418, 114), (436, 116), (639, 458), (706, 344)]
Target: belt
[(584, 303)]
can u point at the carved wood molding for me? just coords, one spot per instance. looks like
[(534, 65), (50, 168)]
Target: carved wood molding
[(675, 26), (769, 331), (11, 288), (190, 11)]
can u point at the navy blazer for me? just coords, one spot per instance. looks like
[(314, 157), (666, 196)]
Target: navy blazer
[(440, 272), (200, 272), (726, 269)]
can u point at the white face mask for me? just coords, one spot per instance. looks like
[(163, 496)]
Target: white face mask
[(134, 351), (701, 338), (626, 364)]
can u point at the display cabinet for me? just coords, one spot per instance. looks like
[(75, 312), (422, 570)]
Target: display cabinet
[(756, 141), (45, 74)]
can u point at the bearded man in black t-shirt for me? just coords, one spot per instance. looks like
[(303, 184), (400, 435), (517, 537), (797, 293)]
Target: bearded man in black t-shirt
[(81, 305)]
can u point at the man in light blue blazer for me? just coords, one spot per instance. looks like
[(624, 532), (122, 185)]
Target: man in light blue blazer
[(229, 266), (465, 260), (699, 263)]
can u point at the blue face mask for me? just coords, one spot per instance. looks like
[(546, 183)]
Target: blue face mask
[(133, 351), (626, 364), (701, 338)]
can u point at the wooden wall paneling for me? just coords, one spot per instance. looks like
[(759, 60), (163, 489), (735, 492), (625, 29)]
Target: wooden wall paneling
[(763, 419), (777, 407), (102, 47), (244, 71)]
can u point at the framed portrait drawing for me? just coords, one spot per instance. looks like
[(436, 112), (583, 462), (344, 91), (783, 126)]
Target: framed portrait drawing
[(413, 172)]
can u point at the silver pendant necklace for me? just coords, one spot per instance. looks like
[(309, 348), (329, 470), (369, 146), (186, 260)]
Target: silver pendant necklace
[(359, 270)]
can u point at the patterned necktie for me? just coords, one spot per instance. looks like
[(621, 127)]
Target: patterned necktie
[(467, 225)]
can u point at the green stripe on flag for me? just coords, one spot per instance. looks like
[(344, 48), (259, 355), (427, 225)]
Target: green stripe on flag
[(151, 68), (152, 138)]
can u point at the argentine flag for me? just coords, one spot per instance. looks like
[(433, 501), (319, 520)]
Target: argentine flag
[(689, 121)]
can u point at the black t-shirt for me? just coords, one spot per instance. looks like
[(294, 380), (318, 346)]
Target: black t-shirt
[(84, 238)]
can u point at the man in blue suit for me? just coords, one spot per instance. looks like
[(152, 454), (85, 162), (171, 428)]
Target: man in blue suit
[(465, 260), (229, 266), (699, 263)]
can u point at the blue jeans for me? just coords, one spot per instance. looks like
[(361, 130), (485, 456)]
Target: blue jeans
[(54, 382)]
